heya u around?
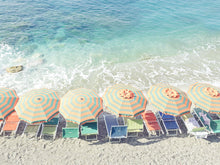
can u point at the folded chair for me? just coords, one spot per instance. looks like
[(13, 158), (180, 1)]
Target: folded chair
[(11, 124), (193, 127), (151, 123), (135, 126), (71, 130), (90, 130), (49, 129), (114, 130), (170, 124), (213, 126)]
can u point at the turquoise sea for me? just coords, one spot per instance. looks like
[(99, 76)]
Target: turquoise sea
[(67, 44)]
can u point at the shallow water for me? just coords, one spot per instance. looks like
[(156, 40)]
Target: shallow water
[(66, 44)]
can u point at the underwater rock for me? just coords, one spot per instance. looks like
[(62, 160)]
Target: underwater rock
[(15, 69)]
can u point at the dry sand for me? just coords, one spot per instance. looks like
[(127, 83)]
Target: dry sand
[(167, 150)]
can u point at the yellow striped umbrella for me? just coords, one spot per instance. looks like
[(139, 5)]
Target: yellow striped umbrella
[(81, 106), (38, 106), (169, 99), (8, 100), (205, 96), (124, 100)]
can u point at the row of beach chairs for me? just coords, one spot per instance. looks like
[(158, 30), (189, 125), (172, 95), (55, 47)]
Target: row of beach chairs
[(130, 127)]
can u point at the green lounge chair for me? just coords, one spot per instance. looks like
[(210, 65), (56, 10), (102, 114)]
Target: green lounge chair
[(71, 130), (90, 130), (49, 129), (135, 126), (213, 126), (31, 130)]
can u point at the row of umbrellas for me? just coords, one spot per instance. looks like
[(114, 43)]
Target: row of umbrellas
[(84, 105)]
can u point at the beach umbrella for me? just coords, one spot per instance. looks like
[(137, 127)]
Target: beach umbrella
[(124, 100), (205, 96), (39, 105), (169, 100), (81, 106), (8, 100)]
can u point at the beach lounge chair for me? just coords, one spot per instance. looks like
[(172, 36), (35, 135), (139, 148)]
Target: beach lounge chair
[(90, 130), (151, 123), (193, 127), (135, 126), (32, 130), (11, 124), (213, 126), (114, 130), (71, 130), (170, 124), (49, 129)]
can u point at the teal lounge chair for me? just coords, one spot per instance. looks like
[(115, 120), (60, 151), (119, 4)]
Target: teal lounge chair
[(71, 130), (213, 126), (49, 129), (90, 130), (135, 126)]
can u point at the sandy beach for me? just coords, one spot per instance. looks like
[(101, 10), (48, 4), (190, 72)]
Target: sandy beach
[(180, 149), (172, 150)]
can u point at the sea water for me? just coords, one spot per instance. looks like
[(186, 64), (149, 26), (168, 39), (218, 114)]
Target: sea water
[(68, 44)]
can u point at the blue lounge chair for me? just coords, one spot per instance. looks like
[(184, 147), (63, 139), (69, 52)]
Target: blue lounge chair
[(114, 130), (170, 124)]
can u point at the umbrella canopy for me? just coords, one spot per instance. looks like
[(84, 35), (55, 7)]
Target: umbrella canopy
[(8, 100), (205, 96), (124, 100), (81, 106), (169, 99), (38, 106)]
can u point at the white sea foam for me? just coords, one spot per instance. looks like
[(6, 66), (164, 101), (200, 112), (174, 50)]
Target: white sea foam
[(200, 64)]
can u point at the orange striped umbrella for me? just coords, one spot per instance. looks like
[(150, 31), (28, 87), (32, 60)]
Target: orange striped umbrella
[(81, 106), (169, 100), (124, 100), (38, 106), (205, 96), (8, 100)]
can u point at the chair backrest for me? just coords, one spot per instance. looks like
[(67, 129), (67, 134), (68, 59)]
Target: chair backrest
[(134, 124), (215, 125), (118, 131), (149, 116), (187, 116), (13, 117), (31, 128), (70, 132), (53, 121), (49, 129), (166, 117), (10, 126), (110, 121), (71, 125), (89, 128)]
